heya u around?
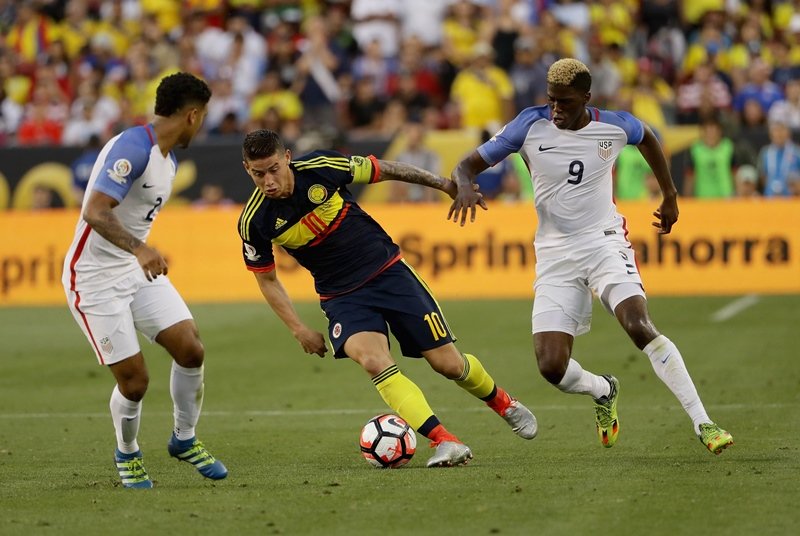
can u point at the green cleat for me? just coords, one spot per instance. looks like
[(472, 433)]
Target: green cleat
[(714, 438), (605, 410)]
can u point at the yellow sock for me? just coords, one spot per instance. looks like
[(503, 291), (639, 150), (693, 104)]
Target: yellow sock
[(403, 396), (475, 380)]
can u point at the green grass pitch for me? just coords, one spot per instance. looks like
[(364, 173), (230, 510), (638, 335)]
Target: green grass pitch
[(286, 424)]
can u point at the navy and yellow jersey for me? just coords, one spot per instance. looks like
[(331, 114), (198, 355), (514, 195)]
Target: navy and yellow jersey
[(320, 225)]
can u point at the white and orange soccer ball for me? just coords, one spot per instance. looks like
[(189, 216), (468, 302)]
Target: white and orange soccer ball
[(387, 441)]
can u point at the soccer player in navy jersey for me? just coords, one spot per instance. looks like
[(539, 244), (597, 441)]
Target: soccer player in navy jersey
[(117, 285), (365, 286), (581, 240)]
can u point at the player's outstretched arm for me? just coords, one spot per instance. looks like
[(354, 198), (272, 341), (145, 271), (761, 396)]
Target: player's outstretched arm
[(99, 214), (313, 342), (400, 171), (467, 196), (667, 213)]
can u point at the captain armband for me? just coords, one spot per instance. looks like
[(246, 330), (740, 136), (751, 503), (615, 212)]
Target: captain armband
[(365, 170)]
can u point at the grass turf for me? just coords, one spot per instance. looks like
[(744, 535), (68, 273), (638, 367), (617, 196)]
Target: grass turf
[(286, 424)]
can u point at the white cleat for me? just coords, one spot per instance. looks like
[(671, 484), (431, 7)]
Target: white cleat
[(521, 420), (450, 453)]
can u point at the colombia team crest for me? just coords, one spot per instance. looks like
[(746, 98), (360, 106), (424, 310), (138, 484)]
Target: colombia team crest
[(317, 194)]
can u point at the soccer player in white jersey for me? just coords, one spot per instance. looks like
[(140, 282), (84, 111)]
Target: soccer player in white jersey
[(116, 284), (581, 241)]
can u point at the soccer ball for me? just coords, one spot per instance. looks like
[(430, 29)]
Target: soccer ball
[(387, 441)]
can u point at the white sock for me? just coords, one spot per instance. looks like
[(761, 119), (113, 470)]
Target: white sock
[(670, 368), (126, 415), (577, 380), (186, 388)]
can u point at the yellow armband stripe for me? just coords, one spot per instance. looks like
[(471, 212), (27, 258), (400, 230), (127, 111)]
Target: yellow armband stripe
[(364, 170)]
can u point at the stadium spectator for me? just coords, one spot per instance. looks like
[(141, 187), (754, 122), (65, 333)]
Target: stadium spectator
[(228, 129), (705, 87), (759, 88), (116, 284), (212, 195), (482, 92), (711, 161), (503, 30), (788, 109), (779, 161), (364, 108), (10, 116), (81, 167), (44, 198), (751, 133), (225, 102), (271, 94), (418, 155), (40, 126), (581, 245), (528, 74), (422, 19), (377, 20), (747, 181), (30, 35), (82, 125), (651, 99), (321, 61), (633, 178), (373, 64), (607, 80), (365, 288)]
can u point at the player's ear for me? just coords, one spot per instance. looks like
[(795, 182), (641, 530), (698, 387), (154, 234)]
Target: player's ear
[(288, 155), (587, 97)]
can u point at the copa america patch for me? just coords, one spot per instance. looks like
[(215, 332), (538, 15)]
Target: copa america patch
[(106, 346), (317, 194), (604, 148), (251, 253), (120, 170), (336, 332)]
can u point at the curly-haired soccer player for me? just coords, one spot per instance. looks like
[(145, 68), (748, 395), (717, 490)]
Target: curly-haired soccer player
[(117, 285)]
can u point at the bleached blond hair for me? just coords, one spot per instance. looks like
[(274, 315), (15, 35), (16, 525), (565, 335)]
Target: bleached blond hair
[(570, 72)]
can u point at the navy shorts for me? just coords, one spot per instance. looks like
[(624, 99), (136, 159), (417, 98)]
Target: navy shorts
[(397, 300)]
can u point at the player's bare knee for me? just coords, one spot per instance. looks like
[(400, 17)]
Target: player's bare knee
[(450, 368), (641, 331), (374, 364), (193, 355), (552, 365), (134, 387)]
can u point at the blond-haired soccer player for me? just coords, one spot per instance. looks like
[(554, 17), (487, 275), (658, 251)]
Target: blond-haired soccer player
[(581, 240), (365, 287), (117, 285)]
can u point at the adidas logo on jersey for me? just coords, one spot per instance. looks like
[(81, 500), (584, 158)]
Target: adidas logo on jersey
[(279, 222)]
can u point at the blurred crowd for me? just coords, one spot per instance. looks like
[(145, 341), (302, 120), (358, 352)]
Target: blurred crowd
[(76, 72)]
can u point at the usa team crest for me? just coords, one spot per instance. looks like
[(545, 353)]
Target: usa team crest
[(605, 148)]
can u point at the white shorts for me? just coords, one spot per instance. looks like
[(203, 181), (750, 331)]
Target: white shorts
[(565, 284), (110, 317)]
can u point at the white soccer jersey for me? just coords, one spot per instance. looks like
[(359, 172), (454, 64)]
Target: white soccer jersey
[(570, 170), (132, 170)]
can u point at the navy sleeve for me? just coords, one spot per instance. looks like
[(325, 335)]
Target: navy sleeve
[(633, 127)]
